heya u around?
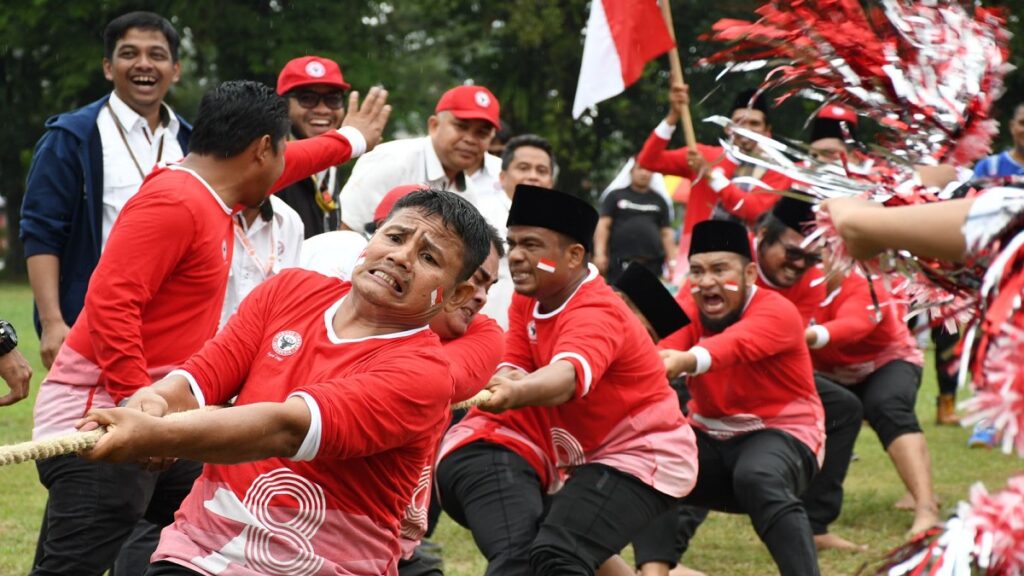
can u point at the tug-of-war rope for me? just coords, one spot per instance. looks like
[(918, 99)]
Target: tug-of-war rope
[(81, 441)]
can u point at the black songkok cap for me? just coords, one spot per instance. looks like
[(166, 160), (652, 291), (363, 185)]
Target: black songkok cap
[(652, 299), (720, 236), (746, 99), (554, 210), (794, 213)]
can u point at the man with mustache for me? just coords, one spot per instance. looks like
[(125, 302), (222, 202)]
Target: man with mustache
[(758, 419), (459, 132)]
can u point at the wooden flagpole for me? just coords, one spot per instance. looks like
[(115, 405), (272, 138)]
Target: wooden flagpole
[(676, 73)]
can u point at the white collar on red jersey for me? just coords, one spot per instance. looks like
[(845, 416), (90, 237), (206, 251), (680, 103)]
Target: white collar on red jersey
[(335, 339), (536, 306)]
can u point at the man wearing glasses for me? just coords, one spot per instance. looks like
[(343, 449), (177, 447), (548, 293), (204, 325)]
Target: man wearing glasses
[(315, 90)]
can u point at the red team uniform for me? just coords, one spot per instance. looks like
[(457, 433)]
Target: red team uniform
[(335, 507), (144, 316)]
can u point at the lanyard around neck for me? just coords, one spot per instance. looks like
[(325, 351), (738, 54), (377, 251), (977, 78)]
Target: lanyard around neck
[(243, 238), (121, 132)]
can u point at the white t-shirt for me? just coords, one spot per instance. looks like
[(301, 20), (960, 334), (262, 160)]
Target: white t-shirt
[(333, 254), (391, 164), (495, 210), (121, 177)]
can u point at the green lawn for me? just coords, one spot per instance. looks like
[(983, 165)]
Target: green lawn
[(725, 544)]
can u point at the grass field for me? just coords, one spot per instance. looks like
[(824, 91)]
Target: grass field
[(725, 545)]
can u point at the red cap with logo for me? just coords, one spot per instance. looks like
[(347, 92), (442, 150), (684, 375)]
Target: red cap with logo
[(310, 70), (837, 112), (471, 103), (391, 198)]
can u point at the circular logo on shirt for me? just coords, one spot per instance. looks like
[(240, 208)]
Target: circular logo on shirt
[(482, 99), (623, 204), (531, 331), (316, 69), (224, 250), (286, 342)]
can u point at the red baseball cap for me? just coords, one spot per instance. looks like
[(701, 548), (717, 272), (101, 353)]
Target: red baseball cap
[(391, 198), (837, 112), (471, 103), (310, 70)]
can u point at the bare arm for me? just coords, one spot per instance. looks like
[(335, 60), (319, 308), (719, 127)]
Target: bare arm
[(551, 385), (668, 240), (869, 228), (228, 436), (44, 276), (16, 372)]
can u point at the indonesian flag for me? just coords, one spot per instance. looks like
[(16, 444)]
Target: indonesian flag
[(622, 36)]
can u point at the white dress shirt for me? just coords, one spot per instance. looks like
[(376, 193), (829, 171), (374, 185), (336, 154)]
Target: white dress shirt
[(391, 164), (121, 177), (486, 182), (247, 272), (495, 210), (333, 253)]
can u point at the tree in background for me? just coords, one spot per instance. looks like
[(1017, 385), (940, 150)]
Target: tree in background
[(527, 52)]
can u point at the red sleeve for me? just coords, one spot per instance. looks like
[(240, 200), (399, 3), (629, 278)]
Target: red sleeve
[(517, 344), (751, 205), (474, 356), (303, 158), (767, 328), (222, 364), (853, 317), (381, 409), (589, 338), (653, 156), (140, 254)]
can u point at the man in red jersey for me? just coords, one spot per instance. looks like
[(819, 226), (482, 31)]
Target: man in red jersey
[(575, 348), (722, 184), (342, 394), (758, 419), (156, 298)]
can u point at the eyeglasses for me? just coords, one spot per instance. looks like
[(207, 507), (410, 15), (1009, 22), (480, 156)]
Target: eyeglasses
[(794, 255), (309, 99)]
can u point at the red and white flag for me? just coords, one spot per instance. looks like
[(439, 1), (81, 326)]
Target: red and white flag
[(546, 265), (622, 36)]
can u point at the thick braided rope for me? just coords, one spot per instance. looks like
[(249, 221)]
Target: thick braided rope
[(68, 444), (39, 449), (480, 397)]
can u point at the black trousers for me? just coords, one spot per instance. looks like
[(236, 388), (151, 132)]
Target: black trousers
[(498, 496), (761, 474), (165, 568), (92, 508), (888, 396), (597, 512)]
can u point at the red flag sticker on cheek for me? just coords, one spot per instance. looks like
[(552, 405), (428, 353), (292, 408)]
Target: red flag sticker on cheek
[(546, 265), (731, 286), (436, 296)]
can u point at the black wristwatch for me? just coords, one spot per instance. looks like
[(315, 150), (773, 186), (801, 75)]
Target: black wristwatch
[(8, 337)]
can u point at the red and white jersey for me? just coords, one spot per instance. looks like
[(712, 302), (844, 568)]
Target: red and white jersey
[(753, 375), (747, 205), (472, 359), (623, 413), (854, 338), (156, 294), (378, 407)]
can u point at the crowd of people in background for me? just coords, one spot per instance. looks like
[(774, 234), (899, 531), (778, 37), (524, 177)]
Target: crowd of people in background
[(637, 372)]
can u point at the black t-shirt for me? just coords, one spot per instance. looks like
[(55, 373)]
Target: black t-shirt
[(637, 220)]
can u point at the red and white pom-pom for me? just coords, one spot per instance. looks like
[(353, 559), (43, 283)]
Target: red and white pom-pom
[(999, 388), (985, 537)]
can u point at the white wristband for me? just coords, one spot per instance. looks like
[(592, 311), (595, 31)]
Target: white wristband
[(355, 139), (703, 359), (718, 180), (821, 336)]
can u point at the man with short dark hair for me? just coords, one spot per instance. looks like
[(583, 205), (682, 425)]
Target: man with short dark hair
[(459, 132), (634, 227), (315, 91), (304, 474), (757, 416), (90, 162), (723, 186), (156, 298), (527, 159)]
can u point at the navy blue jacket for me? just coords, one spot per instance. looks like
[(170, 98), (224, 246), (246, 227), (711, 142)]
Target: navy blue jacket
[(62, 213)]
